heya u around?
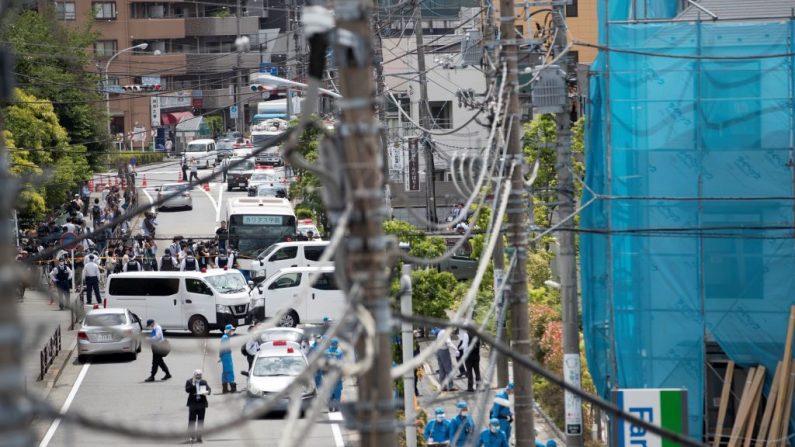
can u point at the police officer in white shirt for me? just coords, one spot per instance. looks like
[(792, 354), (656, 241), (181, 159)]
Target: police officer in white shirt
[(91, 272)]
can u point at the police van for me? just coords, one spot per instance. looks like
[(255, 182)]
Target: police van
[(289, 254), (190, 300)]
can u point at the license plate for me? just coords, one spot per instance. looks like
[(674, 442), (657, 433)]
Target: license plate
[(104, 337), (241, 321)]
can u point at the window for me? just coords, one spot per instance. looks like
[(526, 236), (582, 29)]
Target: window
[(571, 9), (104, 10), (144, 286), (441, 114), (285, 253), (326, 281), (286, 281), (391, 108), (197, 286), (65, 11), (314, 252), (105, 48)]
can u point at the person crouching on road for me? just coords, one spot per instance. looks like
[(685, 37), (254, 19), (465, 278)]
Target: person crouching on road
[(437, 431), (159, 350), (492, 436), (225, 358), (335, 353), (197, 390)]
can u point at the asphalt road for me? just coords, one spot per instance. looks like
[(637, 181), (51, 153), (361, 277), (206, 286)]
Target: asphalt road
[(113, 390)]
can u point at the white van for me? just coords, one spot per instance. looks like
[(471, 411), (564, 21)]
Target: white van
[(289, 290), (192, 301), (289, 254), (203, 152)]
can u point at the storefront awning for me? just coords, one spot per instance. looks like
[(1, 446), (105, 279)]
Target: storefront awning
[(174, 118)]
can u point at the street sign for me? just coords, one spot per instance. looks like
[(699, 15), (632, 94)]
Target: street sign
[(413, 183), (233, 112), (68, 240), (274, 71), (572, 403), (154, 106), (151, 80), (139, 134), (264, 67), (665, 408)]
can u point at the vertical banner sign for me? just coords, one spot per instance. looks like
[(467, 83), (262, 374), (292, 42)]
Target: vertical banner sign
[(573, 405), (414, 165), (154, 104), (396, 167), (665, 408)]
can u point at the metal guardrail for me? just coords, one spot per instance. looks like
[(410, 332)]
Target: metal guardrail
[(50, 351)]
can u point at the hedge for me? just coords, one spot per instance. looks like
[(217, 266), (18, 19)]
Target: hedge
[(141, 158)]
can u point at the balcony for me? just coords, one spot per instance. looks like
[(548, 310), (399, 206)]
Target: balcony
[(220, 26), (157, 29), (170, 63), (221, 62), (216, 99)]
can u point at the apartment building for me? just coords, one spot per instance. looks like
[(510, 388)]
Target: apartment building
[(190, 53)]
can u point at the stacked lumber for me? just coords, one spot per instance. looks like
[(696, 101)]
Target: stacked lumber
[(773, 428)]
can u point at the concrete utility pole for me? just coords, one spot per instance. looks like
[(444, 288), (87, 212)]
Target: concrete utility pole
[(408, 352), (517, 234), (498, 257), (567, 260), (238, 72), (15, 426), (425, 118), (365, 249)]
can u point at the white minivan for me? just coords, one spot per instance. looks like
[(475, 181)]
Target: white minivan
[(202, 152), (194, 301), (289, 290), (289, 254)]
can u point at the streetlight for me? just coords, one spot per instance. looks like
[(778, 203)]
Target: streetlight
[(141, 46)]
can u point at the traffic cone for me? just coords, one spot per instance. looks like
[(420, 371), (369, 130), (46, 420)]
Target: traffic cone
[(144, 184), (207, 186)]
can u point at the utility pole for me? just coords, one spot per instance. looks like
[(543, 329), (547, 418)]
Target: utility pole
[(425, 118), (365, 248), (15, 426), (238, 71), (408, 352), (567, 260), (498, 257), (517, 233)]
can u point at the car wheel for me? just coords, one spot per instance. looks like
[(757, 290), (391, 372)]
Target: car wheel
[(133, 356), (138, 349), (198, 326), (290, 319), (229, 187), (81, 359), (190, 207)]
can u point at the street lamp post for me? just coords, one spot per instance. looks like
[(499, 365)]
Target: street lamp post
[(141, 46)]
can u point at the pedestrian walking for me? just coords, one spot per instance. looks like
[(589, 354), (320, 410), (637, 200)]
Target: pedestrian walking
[(224, 167), (462, 427), (198, 390), (149, 224), (190, 263), (501, 410), (160, 349), (492, 436), (473, 363), (184, 166), (167, 262), (225, 358), (445, 361), (91, 272), (61, 277), (335, 353), (437, 431), (194, 170), (251, 348)]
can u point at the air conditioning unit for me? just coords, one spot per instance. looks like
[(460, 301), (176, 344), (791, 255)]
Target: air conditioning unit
[(549, 91)]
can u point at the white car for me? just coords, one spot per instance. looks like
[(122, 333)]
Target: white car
[(202, 152), (109, 331), (288, 290), (278, 363), (182, 200)]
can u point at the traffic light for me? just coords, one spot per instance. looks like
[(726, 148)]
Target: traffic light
[(260, 88), (151, 87), (132, 88)]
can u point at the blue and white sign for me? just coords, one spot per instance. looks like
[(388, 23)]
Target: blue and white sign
[(233, 112), (264, 67)]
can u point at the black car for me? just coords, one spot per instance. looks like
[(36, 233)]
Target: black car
[(239, 175)]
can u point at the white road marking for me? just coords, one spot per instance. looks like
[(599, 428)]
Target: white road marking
[(220, 203), (149, 198), (54, 426), (212, 200), (335, 428)]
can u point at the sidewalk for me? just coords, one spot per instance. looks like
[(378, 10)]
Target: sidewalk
[(429, 386), (39, 321)]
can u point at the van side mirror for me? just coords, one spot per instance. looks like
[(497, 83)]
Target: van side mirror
[(245, 373), (250, 284)]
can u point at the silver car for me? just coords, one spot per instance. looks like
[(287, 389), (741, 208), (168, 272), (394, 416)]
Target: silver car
[(181, 200), (109, 331)]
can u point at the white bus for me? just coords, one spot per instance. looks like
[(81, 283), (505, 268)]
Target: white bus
[(256, 223)]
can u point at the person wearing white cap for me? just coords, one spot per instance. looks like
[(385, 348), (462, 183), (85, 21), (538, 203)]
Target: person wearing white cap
[(198, 390), (91, 272)]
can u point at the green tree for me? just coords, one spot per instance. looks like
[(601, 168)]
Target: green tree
[(306, 190), (51, 65), (433, 292), (40, 145)]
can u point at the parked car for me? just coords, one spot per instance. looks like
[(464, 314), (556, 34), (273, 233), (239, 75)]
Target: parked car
[(289, 290), (239, 174), (275, 368), (289, 254), (182, 200), (109, 331)]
